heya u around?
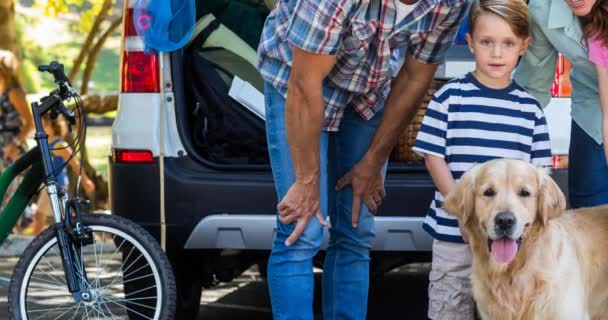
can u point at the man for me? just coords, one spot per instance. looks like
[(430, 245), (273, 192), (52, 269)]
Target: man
[(332, 111)]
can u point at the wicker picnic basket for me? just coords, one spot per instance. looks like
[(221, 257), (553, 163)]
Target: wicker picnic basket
[(403, 150)]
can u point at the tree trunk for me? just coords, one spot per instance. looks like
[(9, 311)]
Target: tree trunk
[(99, 104), (101, 17), (8, 32), (94, 52)]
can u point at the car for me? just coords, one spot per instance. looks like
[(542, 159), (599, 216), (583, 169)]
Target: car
[(215, 216)]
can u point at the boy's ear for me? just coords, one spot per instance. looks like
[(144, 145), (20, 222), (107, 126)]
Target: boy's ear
[(470, 42), (525, 45)]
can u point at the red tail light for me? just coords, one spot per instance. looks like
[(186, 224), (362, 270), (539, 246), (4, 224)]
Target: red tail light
[(133, 156), (561, 84), (140, 71)]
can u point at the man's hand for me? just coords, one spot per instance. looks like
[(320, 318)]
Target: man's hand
[(368, 185), (299, 204)]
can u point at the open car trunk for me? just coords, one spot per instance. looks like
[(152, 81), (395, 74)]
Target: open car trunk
[(221, 131)]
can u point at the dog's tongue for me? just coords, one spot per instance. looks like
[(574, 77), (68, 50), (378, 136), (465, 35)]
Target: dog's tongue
[(504, 249)]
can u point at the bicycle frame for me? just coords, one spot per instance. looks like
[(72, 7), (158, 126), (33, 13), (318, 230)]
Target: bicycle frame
[(41, 170), (25, 191)]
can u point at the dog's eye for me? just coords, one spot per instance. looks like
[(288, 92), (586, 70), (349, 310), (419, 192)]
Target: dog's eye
[(524, 193), (489, 192)]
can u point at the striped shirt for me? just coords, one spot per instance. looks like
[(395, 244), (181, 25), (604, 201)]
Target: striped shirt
[(363, 35), (467, 123)]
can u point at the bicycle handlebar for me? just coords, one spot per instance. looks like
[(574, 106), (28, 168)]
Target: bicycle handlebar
[(64, 91)]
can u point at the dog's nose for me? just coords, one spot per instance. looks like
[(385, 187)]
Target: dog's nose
[(504, 220)]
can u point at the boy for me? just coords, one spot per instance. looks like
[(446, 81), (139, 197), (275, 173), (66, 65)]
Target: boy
[(475, 118)]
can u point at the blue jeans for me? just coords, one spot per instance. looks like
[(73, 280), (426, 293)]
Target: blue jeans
[(346, 269), (587, 170)]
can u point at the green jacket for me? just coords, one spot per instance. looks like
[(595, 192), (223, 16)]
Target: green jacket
[(556, 29)]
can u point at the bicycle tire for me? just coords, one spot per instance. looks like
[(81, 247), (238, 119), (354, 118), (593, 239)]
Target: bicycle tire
[(137, 238)]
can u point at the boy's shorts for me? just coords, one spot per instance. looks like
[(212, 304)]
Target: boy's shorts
[(450, 292)]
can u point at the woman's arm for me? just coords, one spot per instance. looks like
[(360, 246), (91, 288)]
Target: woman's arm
[(536, 70), (17, 99), (602, 79)]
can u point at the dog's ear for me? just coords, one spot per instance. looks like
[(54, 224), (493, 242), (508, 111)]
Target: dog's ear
[(551, 200), (460, 202)]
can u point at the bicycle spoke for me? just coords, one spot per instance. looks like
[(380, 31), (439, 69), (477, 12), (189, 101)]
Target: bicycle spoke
[(125, 270), (129, 301), (125, 307), (76, 313), (125, 277), (131, 280)]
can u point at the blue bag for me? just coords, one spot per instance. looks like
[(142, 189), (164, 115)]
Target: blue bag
[(164, 25)]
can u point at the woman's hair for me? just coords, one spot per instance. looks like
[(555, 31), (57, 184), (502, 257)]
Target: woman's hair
[(595, 24), (9, 68), (514, 12)]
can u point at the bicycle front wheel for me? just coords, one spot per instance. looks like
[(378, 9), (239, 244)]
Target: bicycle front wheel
[(124, 275)]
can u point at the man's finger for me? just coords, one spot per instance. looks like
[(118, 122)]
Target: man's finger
[(371, 204), (343, 182), (356, 209), (321, 218), (382, 193), (297, 232), (288, 219)]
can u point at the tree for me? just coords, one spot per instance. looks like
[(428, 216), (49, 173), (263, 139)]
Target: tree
[(8, 32), (98, 23)]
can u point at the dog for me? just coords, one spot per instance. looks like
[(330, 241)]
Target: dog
[(532, 259)]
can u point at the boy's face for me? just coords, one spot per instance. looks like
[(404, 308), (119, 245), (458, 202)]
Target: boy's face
[(496, 49)]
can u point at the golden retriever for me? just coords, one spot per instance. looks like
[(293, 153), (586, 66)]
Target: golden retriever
[(531, 258)]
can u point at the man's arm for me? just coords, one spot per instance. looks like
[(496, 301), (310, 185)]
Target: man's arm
[(407, 92), (408, 89), (304, 116)]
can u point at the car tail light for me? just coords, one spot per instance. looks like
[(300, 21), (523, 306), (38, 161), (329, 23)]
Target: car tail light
[(560, 161), (140, 70), (132, 156), (561, 84)]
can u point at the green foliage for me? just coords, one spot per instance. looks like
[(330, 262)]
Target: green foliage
[(34, 52), (88, 10)]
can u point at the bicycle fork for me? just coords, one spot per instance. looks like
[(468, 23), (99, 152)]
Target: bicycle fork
[(70, 238)]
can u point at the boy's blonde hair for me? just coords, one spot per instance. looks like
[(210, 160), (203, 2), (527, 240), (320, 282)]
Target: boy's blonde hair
[(514, 12)]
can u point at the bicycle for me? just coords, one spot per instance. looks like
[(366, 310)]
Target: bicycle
[(84, 266)]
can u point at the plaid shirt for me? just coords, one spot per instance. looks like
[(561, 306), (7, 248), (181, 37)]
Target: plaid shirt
[(363, 36)]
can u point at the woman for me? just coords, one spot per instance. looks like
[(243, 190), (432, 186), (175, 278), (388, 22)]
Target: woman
[(557, 29), (16, 122)]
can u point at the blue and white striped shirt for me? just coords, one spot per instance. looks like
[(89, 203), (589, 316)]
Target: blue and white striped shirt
[(467, 123)]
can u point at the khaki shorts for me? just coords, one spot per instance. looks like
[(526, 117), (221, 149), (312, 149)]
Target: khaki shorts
[(44, 206), (450, 293)]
